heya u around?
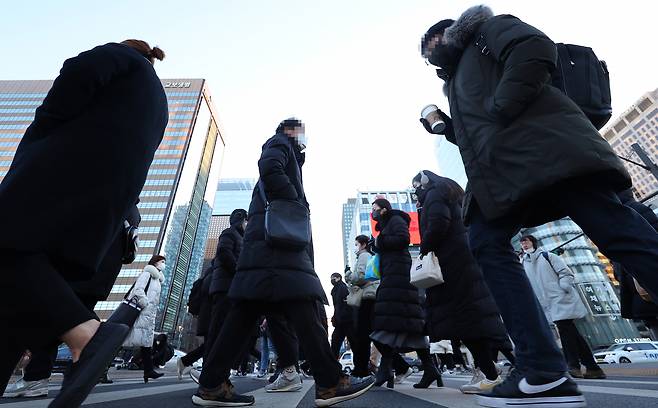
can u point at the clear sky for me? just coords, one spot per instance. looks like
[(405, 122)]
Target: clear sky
[(350, 69)]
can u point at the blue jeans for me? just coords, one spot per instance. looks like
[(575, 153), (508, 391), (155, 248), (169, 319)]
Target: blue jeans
[(267, 345), (619, 232)]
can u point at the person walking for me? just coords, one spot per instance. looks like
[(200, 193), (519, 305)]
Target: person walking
[(343, 318), (553, 283), (443, 355), (274, 278), (146, 292), (267, 347), (531, 156), (108, 99), (398, 324), (355, 276), (462, 307)]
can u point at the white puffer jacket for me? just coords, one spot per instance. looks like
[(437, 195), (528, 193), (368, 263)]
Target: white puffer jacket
[(141, 335)]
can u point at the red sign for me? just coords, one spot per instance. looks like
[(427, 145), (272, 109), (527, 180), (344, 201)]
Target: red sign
[(414, 229)]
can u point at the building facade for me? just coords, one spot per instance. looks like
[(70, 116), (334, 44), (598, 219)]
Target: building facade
[(348, 218), (594, 280), (174, 200), (639, 124)]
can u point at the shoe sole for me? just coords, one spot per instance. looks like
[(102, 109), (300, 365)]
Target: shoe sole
[(576, 401), (290, 388), (205, 403), (27, 394), (333, 401)]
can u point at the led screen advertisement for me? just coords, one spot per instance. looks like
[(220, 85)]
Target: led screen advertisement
[(414, 230)]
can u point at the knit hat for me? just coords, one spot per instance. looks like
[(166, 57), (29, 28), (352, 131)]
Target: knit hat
[(438, 28), (289, 123), (383, 203)]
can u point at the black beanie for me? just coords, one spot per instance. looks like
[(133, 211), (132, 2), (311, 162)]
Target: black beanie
[(438, 28), (289, 123), (383, 203)]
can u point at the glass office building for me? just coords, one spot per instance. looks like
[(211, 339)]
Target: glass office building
[(175, 200)]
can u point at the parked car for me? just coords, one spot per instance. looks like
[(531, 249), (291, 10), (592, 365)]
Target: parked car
[(415, 364), (346, 362), (623, 353), (63, 359)]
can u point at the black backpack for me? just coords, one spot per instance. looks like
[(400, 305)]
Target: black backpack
[(586, 80), (581, 76), (195, 300)]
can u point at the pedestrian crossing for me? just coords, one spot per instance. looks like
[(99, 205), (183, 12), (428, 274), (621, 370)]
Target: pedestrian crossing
[(169, 392)]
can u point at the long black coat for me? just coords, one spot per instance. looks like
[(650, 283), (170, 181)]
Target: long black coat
[(226, 259), (343, 313), (517, 134), (273, 274), (82, 163), (462, 307), (397, 305)]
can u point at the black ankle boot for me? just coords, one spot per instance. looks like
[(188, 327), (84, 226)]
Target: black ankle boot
[(152, 375), (430, 374), (385, 373)]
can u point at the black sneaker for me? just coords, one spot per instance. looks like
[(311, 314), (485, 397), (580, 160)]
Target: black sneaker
[(531, 390), (222, 396), (348, 388)]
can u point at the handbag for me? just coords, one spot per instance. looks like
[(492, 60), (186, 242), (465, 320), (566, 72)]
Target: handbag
[(426, 272), (354, 296), (128, 310), (287, 222), (373, 271)]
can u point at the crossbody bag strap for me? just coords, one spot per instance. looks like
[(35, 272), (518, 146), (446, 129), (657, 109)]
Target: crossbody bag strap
[(146, 289)]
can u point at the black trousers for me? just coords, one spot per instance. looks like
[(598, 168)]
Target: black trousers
[(362, 342), (37, 306), (342, 331), (189, 358), (447, 360), (221, 305), (303, 316), (284, 339), (457, 352), (575, 348), (483, 359)]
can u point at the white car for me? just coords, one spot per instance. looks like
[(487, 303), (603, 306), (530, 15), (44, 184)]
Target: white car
[(346, 362), (640, 352)]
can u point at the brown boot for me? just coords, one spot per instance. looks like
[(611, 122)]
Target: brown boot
[(576, 373), (346, 389), (595, 374), (225, 394)]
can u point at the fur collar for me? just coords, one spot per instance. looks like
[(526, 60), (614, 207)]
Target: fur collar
[(460, 33), (154, 272)]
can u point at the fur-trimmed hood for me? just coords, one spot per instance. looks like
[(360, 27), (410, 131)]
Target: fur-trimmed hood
[(460, 33), (155, 273)]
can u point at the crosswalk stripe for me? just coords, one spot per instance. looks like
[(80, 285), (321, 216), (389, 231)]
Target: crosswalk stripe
[(445, 397), (634, 392), (280, 399)]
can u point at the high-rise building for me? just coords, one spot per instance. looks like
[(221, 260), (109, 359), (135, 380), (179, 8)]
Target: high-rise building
[(348, 218), (362, 223), (639, 124), (174, 203), (594, 281)]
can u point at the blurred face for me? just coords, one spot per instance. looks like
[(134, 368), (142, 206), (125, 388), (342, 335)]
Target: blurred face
[(160, 265), (526, 244), (335, 280), (431, 45), (359, 246)]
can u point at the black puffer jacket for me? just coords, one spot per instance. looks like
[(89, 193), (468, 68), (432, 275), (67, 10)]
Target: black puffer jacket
[(274, 274), (462, 307), (626, 197), (228, 252), (343, 313), (397, 306), (517, 134)]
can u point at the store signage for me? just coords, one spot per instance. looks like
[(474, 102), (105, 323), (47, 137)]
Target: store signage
[(600, 300), (177, 84)]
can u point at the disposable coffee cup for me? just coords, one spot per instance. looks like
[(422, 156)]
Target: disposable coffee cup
[(431, 114)]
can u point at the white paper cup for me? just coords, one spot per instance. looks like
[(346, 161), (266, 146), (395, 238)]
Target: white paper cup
[(431, 114)]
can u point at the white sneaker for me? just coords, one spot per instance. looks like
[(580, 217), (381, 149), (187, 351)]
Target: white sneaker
[(399, 379), (22, 388), (195, 375), (479, 383), (181, 369), (288, 381)]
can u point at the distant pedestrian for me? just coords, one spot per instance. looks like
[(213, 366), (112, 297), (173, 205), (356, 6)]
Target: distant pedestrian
[(276, 278), (343, 318), (531, 156), (146, 293), (87, 154)]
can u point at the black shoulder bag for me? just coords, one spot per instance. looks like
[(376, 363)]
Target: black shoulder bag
[(128, 310)]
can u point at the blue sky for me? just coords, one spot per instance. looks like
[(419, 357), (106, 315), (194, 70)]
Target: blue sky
[(350, 69)]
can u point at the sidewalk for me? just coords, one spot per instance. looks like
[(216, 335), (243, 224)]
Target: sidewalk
[(631, 370)]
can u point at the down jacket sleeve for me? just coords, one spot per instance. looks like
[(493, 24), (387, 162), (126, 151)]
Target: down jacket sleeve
[(80, 80), (225, 252), (438, 216), (139, 292), (272, 169), (565, 275), (527, 56), (395, 235), (358, 274)]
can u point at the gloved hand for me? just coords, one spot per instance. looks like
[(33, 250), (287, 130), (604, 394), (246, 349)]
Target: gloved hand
[(445, 118)]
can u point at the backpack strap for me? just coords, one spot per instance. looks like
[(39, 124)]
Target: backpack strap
[(545, 255)]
